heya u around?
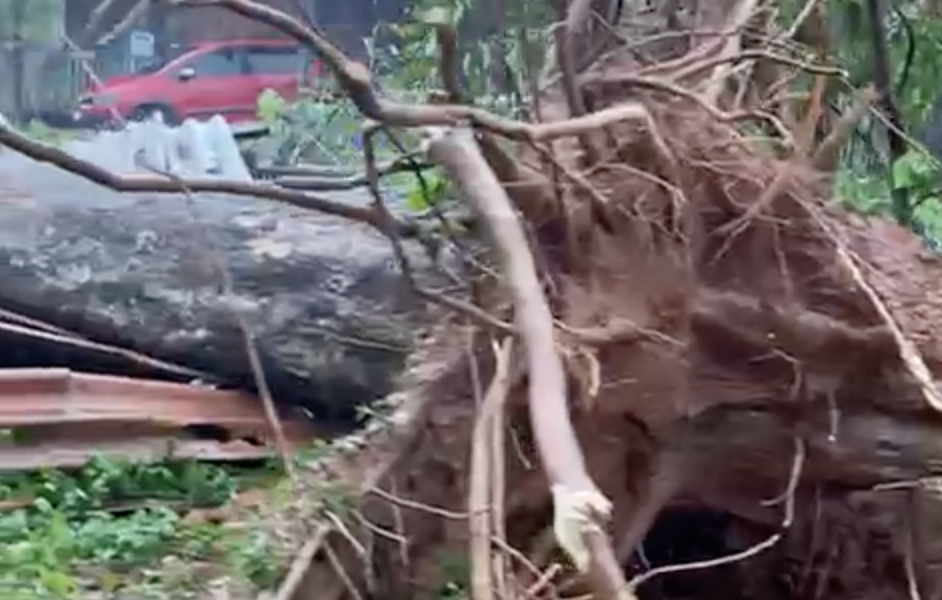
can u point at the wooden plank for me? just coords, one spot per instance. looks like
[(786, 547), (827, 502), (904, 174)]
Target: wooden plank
[(144, 450), (42, 397)]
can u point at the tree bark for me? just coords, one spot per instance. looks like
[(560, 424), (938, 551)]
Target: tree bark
[(323, 298)]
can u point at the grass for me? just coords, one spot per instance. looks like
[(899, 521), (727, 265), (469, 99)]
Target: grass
[(148, 532)]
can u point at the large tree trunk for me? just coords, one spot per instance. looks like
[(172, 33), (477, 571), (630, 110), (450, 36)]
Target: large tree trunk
[(325, 302)]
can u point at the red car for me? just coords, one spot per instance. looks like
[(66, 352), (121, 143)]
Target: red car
[(209, 78)]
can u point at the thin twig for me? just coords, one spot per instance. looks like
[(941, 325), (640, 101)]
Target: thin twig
[(420, 506), (752, 55), (384, 217), (908, 352), (299, 180), (475, 313), (741, 14), (479, 523), (248, 338), (76, 342), (517, 555), (498, 462), (356, 80), (544, 581), (799, 21), (342, 573), (341, 528), (15, 317), (399, 522), (701, 101), (569, 43), (301, 564)]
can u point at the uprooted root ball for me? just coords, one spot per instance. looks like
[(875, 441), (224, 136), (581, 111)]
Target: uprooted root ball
[(755, 328)]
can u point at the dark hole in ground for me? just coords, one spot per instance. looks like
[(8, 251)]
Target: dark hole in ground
[(685, 535)]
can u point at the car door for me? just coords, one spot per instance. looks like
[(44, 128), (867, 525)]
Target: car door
[(275, 67), (213, 82)]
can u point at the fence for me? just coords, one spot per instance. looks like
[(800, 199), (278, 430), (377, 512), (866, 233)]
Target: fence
[(50, 78)]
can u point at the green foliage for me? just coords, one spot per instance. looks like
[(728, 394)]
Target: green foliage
[(116, 527), (915, 40), (329, 133), (41, 132), (321, 129), (924, 72), (916, 173), (437, 188), (453, 578), (497, 53), (314, 129)]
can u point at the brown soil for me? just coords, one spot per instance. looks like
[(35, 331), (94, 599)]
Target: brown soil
[(770, 343), (763, 391)]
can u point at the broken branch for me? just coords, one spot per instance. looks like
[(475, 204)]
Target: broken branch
[(356, 80), (38, 151), (479, 497), (579, 505)]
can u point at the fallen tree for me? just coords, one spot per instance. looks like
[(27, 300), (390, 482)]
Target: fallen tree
[(694, 352), (174, 279)]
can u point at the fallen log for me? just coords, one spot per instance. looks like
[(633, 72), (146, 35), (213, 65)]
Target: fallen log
[(332, 319)]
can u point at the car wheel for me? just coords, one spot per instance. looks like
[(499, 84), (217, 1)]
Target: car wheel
[(144, 113)]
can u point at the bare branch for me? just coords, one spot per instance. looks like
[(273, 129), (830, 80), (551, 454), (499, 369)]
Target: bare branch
[(701, 101), (11, 138), (828, 153), (482, 464), (356, 80), (741, 15), (751, 55), (383, 216), (580, 506), (303, 179), (301, 564), (77, 342)]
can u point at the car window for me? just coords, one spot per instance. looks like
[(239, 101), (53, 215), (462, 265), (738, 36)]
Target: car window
[(157, 63), (274, 61), (220, 63)]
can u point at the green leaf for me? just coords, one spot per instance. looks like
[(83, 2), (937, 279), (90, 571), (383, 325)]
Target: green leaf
[(269, 106), (437, 15), (415, 199), (914, 171), (59, 584)]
